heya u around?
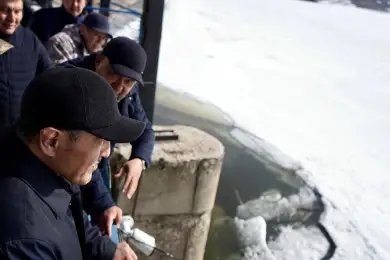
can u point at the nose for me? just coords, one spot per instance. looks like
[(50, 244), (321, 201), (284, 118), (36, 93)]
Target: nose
[(11, 17), (102, 38), (119, 86), (106, 149), (75, 4), (124, 86)]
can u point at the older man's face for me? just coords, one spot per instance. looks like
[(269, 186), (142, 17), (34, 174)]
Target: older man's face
[(121, 85), (94, 41), (75, 156), (11, 13)]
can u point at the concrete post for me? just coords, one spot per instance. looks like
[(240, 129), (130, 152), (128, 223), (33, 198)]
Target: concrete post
[(177, 192)]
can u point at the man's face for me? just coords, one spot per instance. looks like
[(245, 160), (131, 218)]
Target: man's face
[(94, 41), (75, 156), (74, 7), (121, 85), (11, 13)]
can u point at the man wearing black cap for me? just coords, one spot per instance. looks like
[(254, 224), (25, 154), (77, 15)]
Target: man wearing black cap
[(68, 118), (76, 41), (122, 63)]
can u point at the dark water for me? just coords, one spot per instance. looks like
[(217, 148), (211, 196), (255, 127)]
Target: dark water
[(242, 171)]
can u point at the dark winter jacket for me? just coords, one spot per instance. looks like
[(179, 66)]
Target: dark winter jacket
[(18, 66), (40, 218)]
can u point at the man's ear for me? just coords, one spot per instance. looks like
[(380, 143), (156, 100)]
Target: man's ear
[(49, 141)]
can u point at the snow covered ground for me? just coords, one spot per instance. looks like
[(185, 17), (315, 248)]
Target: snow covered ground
[(312, 80)]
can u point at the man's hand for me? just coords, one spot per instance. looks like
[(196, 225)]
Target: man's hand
[(124, 252), (106, 219), (132, 169)]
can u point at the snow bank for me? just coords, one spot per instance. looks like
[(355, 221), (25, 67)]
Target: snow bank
[(312, 79), (129, 29)]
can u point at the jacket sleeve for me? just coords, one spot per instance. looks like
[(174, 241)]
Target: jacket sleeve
[(44, 61), (97, 246), (75, 62), (33, 249), (142, 147), (96, 197), (61, 48)]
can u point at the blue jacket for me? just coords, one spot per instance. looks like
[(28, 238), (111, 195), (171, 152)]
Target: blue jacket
[(49, 21), (18, 66), (36, 217), (141, 148)]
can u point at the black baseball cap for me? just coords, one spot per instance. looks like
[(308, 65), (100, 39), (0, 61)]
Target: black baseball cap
[(98, 22), (127, 58), (71, 98)]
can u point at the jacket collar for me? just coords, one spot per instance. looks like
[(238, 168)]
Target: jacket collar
[(89, 62), (16, 38), (51, 187)]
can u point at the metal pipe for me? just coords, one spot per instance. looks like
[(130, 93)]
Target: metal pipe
[(139, 239), (105, 9), (150, 38)]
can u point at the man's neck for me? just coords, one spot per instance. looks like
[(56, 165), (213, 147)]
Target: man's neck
[(6, 37), (34, 149), (66, 11)]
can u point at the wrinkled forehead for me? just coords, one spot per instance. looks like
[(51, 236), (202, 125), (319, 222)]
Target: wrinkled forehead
[(14, 4), (96, 33)]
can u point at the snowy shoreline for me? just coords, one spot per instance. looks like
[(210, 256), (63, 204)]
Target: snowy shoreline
[(322, 99)]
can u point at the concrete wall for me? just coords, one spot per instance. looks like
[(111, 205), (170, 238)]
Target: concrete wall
[(177, 192)]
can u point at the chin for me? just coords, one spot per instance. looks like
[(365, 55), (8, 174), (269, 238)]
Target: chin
[(83, 180), (86, 179), (76, 13), (10, 31)]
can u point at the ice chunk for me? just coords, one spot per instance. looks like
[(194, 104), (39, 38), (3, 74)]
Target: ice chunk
[(252, 237), (272, 206), (299, 243)]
